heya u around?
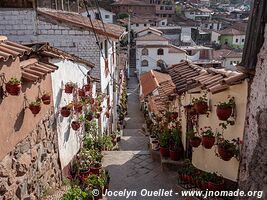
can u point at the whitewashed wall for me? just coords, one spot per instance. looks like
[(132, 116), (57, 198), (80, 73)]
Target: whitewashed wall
[(68, 139), (108, 17)]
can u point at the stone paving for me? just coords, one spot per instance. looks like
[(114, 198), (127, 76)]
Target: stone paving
[(131, 167)]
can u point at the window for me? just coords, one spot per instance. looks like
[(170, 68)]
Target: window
[(236, 40), (243, 40), (97, 16), (144, 63), (160, 52), (163, 23), (145, 52), (161, 7), (144, 25), (160, 63), (136, 25), (106, 16), (231, 62)]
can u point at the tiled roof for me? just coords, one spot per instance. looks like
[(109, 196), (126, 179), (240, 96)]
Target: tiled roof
[(156, 104), (151, 37), (151, 80), (231, 31), (33, 70), (75, 20), (11, 50), (187, 75), (150, 29), (130, 2), (226, 53), (175, 49)]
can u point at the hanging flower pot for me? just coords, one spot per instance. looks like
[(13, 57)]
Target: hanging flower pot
[(65, 111), (46, 98), (227, 149), (13, 87), (77, 107), (81, 92), (190, 109), (201, 108), (97, 115), (174, 115), (87, 87), (208, 141), (92, 100), (69, 86), (195, 141), (35, 106), (224, 113), (89, 116), (107, 114), (75, 125), (100, 109)]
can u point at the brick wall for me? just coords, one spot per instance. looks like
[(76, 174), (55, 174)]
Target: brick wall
[(23, 26)]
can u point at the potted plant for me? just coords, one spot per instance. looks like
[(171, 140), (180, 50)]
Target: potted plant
[(96, 158), (208, 137), (176, 149), (74, 193), (89, 116), (227, 149), (194, 140), (96, 182), (81, 92), (87, 87), (216, 183), (190, 109), (225, 109), (78, 106), (75, 125), (164, 143), (97, 115), (46, 98), (13, 86), (66, 110), (201, 104), (35, 106), (69, 86)]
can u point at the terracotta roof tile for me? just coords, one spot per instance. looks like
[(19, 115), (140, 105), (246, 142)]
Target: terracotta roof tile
[(75, 20), (11, 50), (187, 75), (151, 37), (231, 31)]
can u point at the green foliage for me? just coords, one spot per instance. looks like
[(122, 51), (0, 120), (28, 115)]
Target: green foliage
[(95, 181), (122, 16), (231, 147), (207, 131), (164, 139), (71, 84), (74, 193), (37, 102), (14, 81), (201, 99), (228, 104)]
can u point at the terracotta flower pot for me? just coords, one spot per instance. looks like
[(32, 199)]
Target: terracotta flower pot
[(95, 170), (13, 89), (85, 173), (46, 99), (87, 88), (81, 92), (216, 187), (164, 151), (174, 115), (97, 115), (201, 108), (78, 107), (92, 101), (224, 113), (65, 111), (224, 154), (35, 109), (174, 155), (69, 89), (195, 142), (208, 141), (75, 125), (89, 116)]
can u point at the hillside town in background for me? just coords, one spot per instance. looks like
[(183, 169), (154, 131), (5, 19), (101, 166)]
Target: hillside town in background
[(99, 96)]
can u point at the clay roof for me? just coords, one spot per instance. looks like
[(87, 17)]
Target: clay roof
[(10, 50), (34, 70), (130, 2), (175, 49), (74, 20), (226, 53), (187, 75), (151, 80), (151, 37), (150, 29), (231, 31), (156, 104)]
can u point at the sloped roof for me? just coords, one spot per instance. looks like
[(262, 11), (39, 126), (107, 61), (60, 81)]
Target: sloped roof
[(151, 29), (151, 37), (231, 31), (75, 20), (226, 53), (10, 50), (187, 75), (130, 2)]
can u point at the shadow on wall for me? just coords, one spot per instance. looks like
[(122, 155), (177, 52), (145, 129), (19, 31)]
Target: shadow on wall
[(20, 119), (59, 96)]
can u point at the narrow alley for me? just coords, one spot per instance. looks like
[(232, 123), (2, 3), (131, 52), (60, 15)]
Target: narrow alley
[(131, 167)]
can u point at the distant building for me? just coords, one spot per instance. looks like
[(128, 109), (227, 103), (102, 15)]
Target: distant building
[(153, 51), (107, 16), (198, 14), (229, 58), (232, 37), (163, 8)]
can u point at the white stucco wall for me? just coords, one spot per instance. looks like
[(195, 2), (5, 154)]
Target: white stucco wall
[(239, 40), (230, 63), (138, 27), (108, 17), (68, 139), (152, 58)]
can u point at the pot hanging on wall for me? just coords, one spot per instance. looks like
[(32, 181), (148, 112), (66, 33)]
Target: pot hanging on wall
[(46, 99), (65, 111), (201, 107), (208, 141), (75, 125), (224, 113), (13, 89)]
